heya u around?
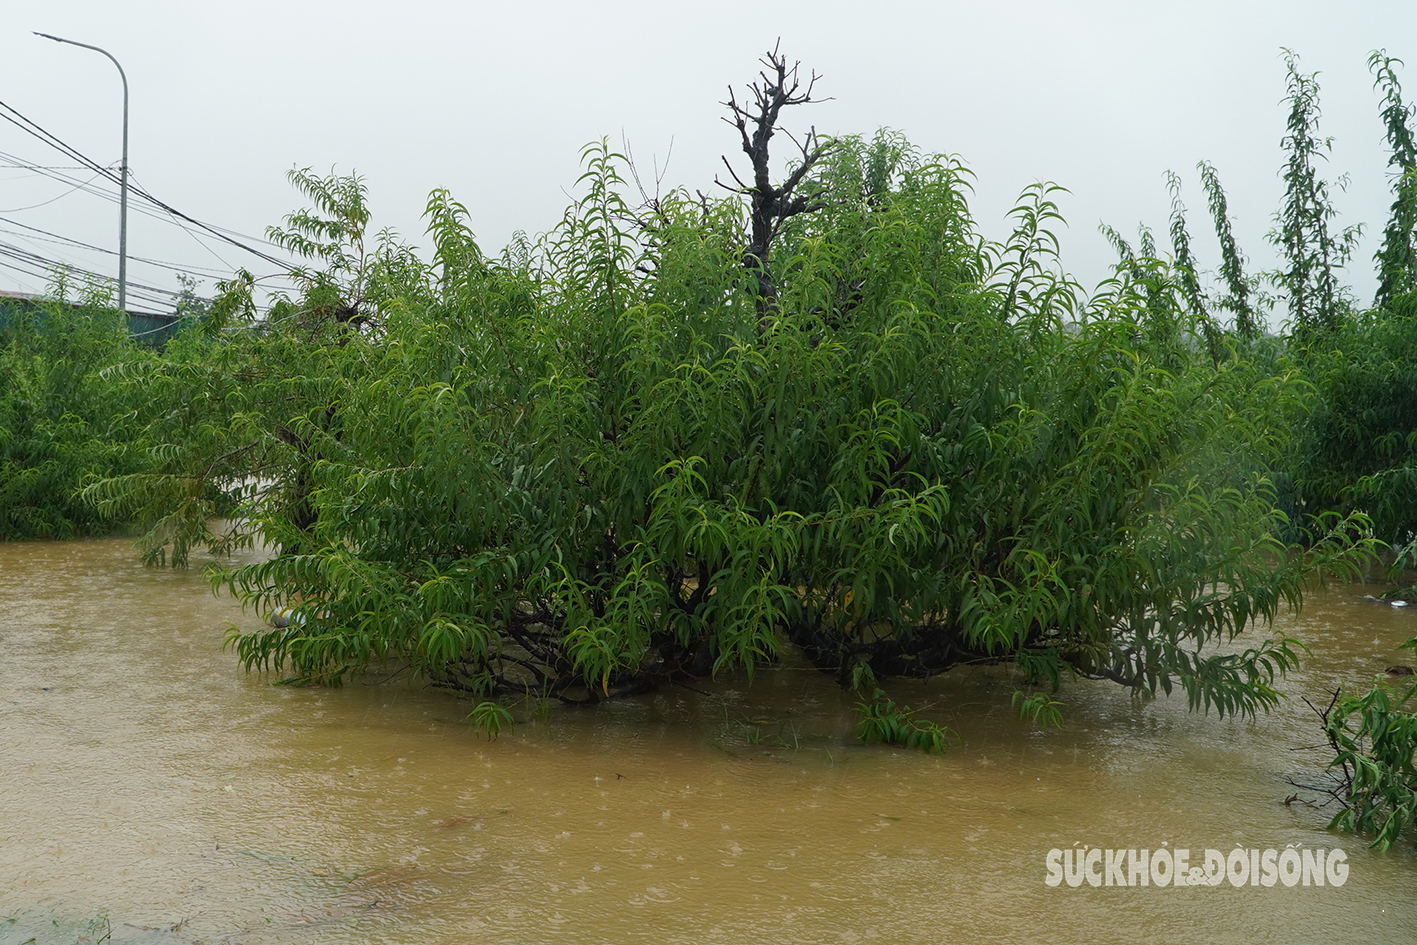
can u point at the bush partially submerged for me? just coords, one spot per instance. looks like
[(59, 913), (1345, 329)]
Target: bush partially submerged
[(602, 460), (64, 417)]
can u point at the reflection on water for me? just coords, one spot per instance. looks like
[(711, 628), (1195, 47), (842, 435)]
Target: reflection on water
[(150, 789)]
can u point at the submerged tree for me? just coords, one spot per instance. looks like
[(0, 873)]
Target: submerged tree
[(64, 418), (1360, 452), (1313, 256), (1232, 264), (1360, 447), (242, 415), (598, 464), (1374, 741), (1397, 257)]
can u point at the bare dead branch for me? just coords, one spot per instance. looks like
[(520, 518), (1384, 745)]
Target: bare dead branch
[(742, 187), (778, 86)]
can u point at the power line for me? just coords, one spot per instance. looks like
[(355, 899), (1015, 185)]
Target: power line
[(85, 186), (11, 160), (29, 127), (111, 197), (26, 266), (195, 237), (42, 266), (20, 253), (34, 265), (48, 264), (191, 270), (33, 128), (45, 203)]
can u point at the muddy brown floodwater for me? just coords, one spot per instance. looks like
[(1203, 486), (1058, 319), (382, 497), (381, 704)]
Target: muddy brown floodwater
[(151, 790)]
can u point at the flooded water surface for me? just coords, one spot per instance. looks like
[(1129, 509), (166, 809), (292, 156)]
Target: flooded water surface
[(153, 792)]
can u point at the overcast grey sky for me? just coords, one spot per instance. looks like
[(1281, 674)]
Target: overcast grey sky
[(495, 100)]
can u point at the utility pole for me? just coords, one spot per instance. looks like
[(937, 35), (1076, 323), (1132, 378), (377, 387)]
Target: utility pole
[(122, 179)]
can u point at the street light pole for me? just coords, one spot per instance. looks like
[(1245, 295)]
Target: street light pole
[(123, 175)]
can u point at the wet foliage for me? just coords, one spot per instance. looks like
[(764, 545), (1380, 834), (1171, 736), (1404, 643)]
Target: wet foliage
[(599, 463), (1373, 736), (64, 419), (680, 432), (1358, 450)]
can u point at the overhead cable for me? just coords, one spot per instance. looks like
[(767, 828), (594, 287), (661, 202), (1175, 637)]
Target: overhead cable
[(33, 128)]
